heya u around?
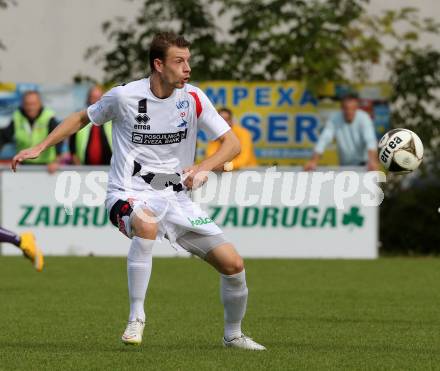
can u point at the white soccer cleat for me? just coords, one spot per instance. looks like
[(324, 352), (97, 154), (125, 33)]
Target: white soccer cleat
[(133, 333), (243, 342)]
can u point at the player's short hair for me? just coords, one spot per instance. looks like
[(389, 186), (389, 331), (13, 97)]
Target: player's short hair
[(225, 109), (162, 42)]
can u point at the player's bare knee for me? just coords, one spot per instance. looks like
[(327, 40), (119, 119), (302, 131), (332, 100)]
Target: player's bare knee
[(145, 230), (144, 227), (234, 266)]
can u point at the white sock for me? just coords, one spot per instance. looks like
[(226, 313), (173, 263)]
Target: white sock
[(139, 264), (234, 293)]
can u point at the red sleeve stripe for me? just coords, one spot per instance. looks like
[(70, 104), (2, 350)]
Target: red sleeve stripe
[(198, 103)]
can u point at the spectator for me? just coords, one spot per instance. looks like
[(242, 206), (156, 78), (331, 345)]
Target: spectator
[(30, 124), (246, 158), (355, 137), (92, 145)]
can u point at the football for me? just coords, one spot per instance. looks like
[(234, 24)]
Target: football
[(400, 151)]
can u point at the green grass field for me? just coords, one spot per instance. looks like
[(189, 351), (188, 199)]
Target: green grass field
[(311, 315)]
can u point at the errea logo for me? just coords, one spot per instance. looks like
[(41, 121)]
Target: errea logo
[(142, 118)]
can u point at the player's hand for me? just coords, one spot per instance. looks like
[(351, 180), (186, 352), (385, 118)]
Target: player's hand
[(195, 176), (310, 165), (25, 154)]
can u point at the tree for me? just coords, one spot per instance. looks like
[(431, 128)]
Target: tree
[(129, 56), (409, 215), (413, 73), (299, 40), (309, 40)]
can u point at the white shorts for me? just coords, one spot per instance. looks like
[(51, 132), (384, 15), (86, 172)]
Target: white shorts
[(175, 213)]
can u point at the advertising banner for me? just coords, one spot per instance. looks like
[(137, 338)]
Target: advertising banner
[(285, 118), (265, 213)]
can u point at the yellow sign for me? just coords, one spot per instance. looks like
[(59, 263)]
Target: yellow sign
[(284, 119)]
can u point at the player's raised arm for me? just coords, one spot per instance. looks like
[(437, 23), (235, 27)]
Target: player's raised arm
[(217, 129), (229, 149), (73, 123)]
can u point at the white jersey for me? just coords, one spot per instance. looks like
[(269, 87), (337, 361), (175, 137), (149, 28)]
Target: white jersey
[(152, 134)]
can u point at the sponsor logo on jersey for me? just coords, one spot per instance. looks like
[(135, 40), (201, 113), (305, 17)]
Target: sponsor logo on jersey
[(141, 127), (158, 138), (200, 221), (142, 106), (183, 124), (142, 118), (182, 104)]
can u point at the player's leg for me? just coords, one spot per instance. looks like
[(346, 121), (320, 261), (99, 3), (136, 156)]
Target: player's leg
[(25, 242), (139, 262), (140, 227), (233, 289), (9, 237), (139, 265), (234, 294)]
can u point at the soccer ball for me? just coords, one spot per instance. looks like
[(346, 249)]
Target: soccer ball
[(400, 151)]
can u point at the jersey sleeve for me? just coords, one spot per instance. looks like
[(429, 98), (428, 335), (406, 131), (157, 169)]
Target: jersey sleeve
[(105, 109), (209, 120)]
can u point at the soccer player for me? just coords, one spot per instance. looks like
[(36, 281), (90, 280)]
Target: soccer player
[(26, 243), (155, 122)]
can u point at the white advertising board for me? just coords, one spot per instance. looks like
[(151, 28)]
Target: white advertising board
[(282, 214)]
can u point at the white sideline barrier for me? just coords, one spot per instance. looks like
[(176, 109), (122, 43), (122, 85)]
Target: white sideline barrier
[(264, 228)]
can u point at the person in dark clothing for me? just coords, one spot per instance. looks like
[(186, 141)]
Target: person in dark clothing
[(92, 145), (30, 123)]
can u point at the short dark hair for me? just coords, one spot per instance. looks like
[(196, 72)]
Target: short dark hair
[(225, 109), (162, 42)]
